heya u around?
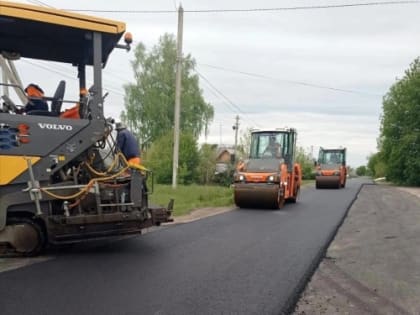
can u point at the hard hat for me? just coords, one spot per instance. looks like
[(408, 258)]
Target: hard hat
[(34, 90), (120, 125)]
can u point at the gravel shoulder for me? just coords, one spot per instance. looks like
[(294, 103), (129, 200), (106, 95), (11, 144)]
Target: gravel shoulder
[(371, 267)]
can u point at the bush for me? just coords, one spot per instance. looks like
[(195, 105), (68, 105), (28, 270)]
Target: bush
[(159, 159), (361, 170), (225, 178)]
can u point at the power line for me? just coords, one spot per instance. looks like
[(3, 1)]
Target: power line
[(107, 85), (295, 8), (49, 69), (68, 76), (262, 76), (37, 2), (232, 104), (218, 96), (219, 92), (115, 75), (107, 79)]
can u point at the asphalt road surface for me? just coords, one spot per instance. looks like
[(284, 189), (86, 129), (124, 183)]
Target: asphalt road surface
[(245, 261)]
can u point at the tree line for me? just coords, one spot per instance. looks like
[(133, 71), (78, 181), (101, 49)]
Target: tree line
[(398, 156)]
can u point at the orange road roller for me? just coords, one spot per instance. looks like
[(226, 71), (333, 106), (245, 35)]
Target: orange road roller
[(270, 176), (331, 170)]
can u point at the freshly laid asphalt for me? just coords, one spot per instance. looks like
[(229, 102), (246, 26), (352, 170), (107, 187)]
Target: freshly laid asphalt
[(246, 261)]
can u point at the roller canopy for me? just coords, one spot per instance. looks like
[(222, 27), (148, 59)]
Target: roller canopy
[(55, 35)]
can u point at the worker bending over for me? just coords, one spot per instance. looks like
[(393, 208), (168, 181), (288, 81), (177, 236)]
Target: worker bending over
[(127, 143)]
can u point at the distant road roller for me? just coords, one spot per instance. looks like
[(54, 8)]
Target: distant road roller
[(270, 175), (331, 170)]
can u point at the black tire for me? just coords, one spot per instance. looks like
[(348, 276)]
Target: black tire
[(37, 227), (279, 203), (294, 199)]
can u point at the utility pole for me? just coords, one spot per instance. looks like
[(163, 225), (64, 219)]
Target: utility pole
[(177, 95), (236, 128)]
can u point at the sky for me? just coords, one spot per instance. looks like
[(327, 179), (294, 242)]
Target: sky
[(321, 71)]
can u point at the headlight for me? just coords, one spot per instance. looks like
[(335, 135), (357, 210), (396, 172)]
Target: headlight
[(270, 178), (336, 173), (239, 177), (318, 173)]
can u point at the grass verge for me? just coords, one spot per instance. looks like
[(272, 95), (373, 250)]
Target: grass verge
[(188, 198), (191, 197), (308, 182)]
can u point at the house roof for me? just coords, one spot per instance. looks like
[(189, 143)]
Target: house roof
[(224, 149)]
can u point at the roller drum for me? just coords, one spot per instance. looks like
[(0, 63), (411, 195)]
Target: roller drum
[(257, 196), (327, 182)]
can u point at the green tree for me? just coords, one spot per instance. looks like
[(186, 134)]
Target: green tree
[(306, 163), (361, 170), (207, 163), (400, 128), (149, 101), (158, 158), (244, 144), (376, 165)]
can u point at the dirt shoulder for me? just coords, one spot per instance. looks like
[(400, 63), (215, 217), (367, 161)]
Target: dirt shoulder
[(412, 190), (371, 267)]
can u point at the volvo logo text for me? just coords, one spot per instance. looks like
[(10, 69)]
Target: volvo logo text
[(55, 126)]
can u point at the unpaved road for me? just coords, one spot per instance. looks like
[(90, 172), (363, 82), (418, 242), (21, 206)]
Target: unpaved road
[(372, 266)]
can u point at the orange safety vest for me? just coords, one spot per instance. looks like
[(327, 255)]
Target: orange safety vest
[(71, 113)]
